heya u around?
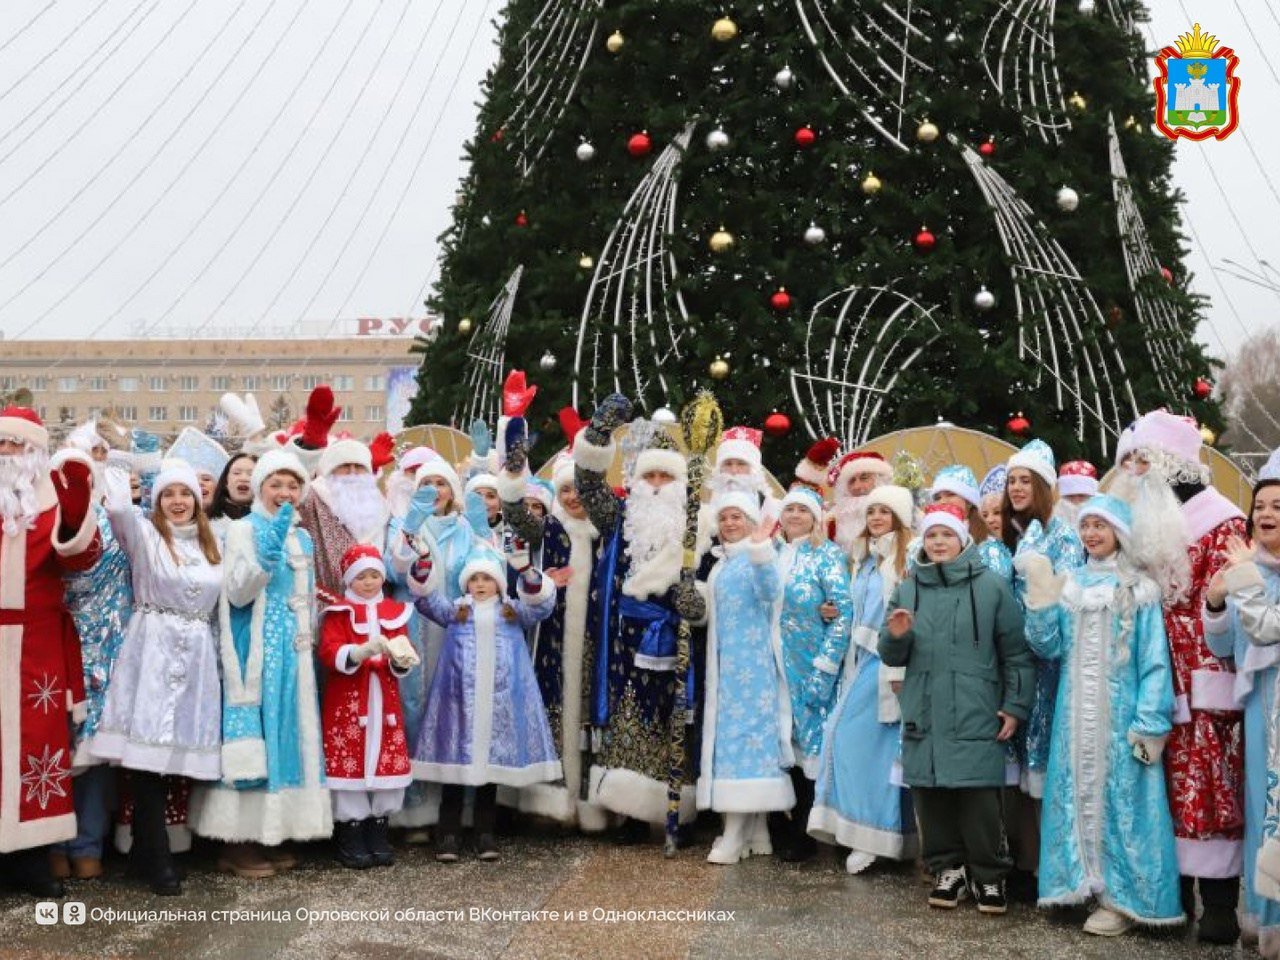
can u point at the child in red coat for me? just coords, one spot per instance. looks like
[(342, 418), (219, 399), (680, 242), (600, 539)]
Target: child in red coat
[(365, 649)]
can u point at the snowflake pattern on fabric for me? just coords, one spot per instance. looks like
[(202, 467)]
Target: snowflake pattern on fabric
[(45, 695), (46, 776)]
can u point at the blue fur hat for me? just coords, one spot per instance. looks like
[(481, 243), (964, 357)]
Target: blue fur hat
[(994, 481), (957, 479)]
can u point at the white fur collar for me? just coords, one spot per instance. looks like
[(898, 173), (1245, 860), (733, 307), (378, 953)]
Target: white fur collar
[(577, 528), (1207, 510)]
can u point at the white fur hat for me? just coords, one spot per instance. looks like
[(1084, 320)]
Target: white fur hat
[(748, 503), (175, 472), (563, 474), (897, 499), (481, 481), (277, 461), (670, 462), (340, 453), (1037, 457), (804, 497), (484, 560), (438, 466)]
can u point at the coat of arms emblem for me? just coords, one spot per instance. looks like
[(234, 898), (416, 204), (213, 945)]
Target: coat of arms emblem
[(1197, 91)]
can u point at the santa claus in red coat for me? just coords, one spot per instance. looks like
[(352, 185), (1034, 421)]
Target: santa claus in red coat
[(365, 649), (46, 529), (1181, 529)]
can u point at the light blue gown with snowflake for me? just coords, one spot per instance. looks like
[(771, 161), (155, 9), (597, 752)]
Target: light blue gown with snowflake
[(857, 802), (1249, 631), (1106, 831), (1062, 546), (746, 728)]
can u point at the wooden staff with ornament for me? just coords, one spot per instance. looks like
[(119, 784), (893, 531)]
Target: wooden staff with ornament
[(701, 424)]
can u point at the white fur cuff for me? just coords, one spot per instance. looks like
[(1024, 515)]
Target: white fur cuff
[(511, 489), (1241, 577), (590, 457), (545, 592), (244, 760), (761, 553)]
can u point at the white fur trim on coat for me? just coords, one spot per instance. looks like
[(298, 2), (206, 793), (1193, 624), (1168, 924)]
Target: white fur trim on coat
[(588, 456), (632, 794)]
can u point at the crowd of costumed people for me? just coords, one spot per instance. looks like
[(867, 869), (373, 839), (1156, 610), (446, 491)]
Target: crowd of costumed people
[(1040, 691)]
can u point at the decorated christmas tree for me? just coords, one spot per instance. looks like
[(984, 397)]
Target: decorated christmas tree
[(844, 217)]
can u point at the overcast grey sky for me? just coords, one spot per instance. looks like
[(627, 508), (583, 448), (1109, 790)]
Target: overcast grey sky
[(250, 164)]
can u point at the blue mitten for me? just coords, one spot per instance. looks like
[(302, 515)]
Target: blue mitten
[(515, 444), (481, 441), (477, 515), (421, 508)]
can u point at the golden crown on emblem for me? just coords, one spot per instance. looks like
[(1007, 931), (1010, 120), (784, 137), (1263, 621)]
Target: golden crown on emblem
[(1197, 44)]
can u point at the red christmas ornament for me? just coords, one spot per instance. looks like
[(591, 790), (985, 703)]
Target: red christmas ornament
[(924, 240), (521, 219), (640, 144), (781, 300), (988, 149), (777, 424), (499, 134), (1019, 425), (805, 137), (1203, 388), (1167, 275)]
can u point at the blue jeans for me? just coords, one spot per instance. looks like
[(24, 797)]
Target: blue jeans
[(94, 795)]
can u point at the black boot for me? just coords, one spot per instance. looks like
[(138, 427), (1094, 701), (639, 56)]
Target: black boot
[(29, 871), (485, 818), (150, 859), (375, 840), (1187, 893), (631, 832), (349, 846), (797, 845), (1221, 896), (448, 833)]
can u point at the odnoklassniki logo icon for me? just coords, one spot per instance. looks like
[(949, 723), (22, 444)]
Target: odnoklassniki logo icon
[(1197, 91)]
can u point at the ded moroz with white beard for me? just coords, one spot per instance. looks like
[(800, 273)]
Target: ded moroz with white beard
[(639, 598), (47, 528), (852, 479), (343, 507)]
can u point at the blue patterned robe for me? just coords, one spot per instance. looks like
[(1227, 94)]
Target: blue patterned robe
[(1062, 546), (448, 540), (812, 575), (1106, 830), (100, 601), (857, 802), (273, 786), (746, 738), (485, 722), (1249, 631)]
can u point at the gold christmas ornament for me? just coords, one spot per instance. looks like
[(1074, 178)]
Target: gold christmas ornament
[(1208, 436), (1077, 102), (585, 262), (724, 30), (871, 185), (719, 369), (464, 326), (721, 241), (615, 42), (927, 132)]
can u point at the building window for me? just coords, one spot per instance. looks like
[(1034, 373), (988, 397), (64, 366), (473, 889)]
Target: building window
[(94, 412), (373, 413), (280, 381), (343, 382), (8, 383), (188, 414), (220, 383), (344, 416), (251, 382), (39, 383), (188, 384), (158, 414), (66, 414), (375, 381), (98, 384), (127, 384), (313, 380), (157, 384), (68, 385), (42, 411), (129, 414)]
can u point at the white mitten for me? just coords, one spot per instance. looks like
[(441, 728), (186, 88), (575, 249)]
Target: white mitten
[(370, 648), (401, 652), (1146, 749), (243, 413), (1044, 587)]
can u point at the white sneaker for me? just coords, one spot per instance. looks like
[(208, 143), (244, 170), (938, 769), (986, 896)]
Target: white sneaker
[(857, 861), (1107, 923)]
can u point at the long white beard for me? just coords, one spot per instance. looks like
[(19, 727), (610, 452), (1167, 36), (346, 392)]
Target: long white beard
[(1067, 512), (722, 483), (400, 490), (851, 520), (1124, 486), (19, 474), (1159, 539), (655, 518), (357, 502)]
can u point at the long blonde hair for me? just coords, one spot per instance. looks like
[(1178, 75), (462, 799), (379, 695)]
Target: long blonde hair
[(204, 532)]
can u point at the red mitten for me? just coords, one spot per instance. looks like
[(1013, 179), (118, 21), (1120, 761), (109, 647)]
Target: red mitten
[(383, 450), (571, 424), (322, 414), (516, 398), (74, 486)]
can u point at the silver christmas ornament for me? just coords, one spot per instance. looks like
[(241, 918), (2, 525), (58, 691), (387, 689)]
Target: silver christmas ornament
[(548, 361), (814, 235), (663, 415), (585, 152), (717, 140), (1068, 200), (984, 299), (784, 79), (1087, 7)]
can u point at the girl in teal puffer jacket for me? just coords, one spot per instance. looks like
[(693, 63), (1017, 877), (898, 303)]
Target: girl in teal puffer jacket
[(958, 630)]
